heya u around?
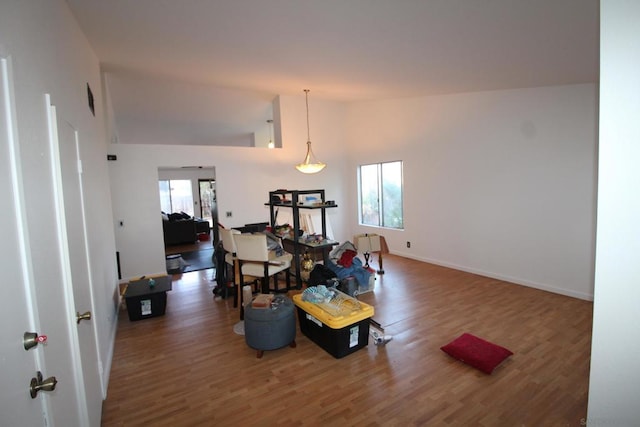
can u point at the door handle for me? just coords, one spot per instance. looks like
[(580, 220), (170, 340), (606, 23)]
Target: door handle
[(37, 384), (84, 316), (31, 339)]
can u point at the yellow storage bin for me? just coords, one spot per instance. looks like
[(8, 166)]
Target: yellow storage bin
[(340, 326)]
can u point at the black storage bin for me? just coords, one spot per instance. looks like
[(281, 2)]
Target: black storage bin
[(336, 342), (144, 300), (338, 335)]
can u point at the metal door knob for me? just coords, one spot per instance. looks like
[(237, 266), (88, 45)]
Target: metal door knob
[(84, 316), (31, 339), (37, 384)]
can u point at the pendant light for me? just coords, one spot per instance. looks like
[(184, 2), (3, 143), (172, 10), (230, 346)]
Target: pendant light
[(309, 164)]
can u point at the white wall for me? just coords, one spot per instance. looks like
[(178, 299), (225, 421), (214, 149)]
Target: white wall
[(162, 111), (498, 183), (50, 55), (614, 385), (244, 176)]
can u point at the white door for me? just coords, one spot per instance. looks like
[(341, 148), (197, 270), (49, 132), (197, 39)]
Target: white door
[(78, 286), (17, 365)]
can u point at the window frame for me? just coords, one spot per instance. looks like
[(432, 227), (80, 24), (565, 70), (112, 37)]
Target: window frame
[(190, 210), (380, 193)]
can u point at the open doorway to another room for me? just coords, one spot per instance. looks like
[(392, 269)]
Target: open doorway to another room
[(189, 216), (209, 205)]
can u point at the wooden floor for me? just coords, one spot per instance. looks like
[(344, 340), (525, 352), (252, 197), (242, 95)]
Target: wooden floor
[(188, 368)]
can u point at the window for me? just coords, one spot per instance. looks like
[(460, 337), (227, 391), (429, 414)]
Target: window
[(176, 196), (380, 186)]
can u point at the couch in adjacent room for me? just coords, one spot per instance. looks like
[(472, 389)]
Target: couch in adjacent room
[(178, 228)]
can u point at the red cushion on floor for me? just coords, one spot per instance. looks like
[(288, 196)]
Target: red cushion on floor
[(476, 352)]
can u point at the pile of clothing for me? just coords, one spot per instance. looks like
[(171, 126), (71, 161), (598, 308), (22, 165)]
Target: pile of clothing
[(344, 263)]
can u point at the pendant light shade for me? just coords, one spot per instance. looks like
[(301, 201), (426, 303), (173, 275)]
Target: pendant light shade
[(310, 164)]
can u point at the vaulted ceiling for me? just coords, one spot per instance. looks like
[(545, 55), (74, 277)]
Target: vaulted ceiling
[(340, 49)]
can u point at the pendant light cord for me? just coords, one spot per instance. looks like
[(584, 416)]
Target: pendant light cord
[(306, 91)]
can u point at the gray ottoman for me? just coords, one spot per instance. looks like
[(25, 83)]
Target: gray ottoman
[(270, 328)]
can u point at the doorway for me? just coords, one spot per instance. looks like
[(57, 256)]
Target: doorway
[(209, 206), (191, 190)]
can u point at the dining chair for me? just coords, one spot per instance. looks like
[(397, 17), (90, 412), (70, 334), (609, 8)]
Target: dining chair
[(255, 259), (230, 258)]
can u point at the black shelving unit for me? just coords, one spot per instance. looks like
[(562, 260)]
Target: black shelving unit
[(292, 199)]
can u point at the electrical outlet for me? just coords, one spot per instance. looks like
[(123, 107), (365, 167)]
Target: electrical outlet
[(228, 214), (408, 244)]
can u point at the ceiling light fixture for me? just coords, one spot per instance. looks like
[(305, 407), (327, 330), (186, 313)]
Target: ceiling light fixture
[(309, 164), (271, 144)]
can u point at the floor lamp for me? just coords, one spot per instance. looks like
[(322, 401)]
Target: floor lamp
[(367, 244)]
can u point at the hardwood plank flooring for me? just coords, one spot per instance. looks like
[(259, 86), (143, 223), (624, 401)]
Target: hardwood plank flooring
[(188, 368)]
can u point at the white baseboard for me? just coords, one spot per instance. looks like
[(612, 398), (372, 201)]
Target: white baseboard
[(540, 286)]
